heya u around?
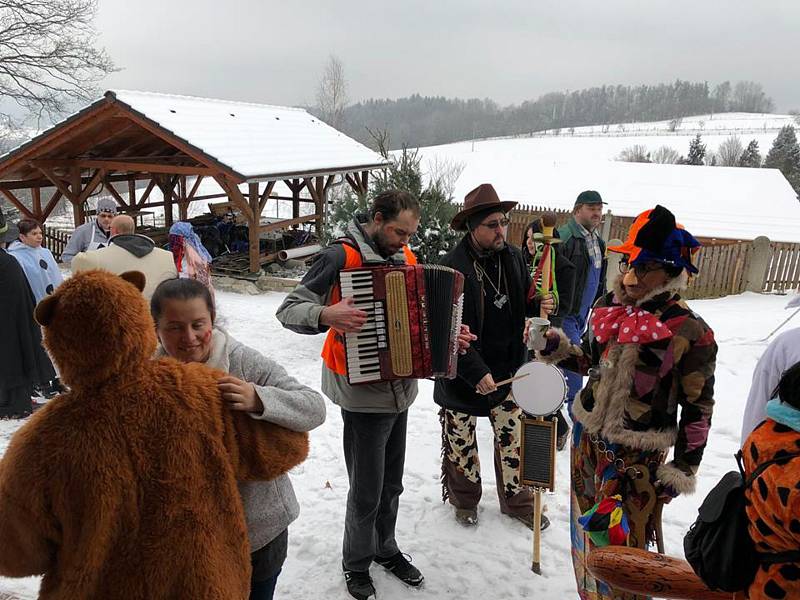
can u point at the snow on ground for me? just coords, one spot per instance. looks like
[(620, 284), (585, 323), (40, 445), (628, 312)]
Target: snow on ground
[(493, 559)]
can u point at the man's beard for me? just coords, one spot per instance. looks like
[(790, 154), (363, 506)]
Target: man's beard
[(382, 244)]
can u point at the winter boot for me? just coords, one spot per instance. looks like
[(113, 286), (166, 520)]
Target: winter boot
[(400, 566), (467, 516), (359, 584)]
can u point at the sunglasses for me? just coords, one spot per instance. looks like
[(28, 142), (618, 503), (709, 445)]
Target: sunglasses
[(495, 224), (639, 270)]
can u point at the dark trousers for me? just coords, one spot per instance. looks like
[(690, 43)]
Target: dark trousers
[(16, 402), (374, 451), (264, 590)]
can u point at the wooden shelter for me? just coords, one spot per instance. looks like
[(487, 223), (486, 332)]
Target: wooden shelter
[(176, 142)]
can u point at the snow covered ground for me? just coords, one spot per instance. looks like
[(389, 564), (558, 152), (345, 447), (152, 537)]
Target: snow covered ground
[(493, 559)]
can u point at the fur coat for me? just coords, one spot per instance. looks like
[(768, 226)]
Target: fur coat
[(126, 486), (634, 390)]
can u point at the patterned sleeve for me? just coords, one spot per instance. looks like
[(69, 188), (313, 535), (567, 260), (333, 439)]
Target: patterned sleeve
[(696, 398)]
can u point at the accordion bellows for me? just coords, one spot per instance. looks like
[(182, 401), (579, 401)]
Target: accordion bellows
[(414, 316)]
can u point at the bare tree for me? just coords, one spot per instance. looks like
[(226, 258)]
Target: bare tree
[(730, 151), (666, 155), (48, 56), (636, 153), (332, 93)]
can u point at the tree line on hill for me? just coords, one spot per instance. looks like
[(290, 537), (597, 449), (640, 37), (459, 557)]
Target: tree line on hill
[(784, 155), (418, 120)]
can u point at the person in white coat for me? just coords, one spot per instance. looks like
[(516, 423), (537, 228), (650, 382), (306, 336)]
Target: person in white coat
[(128, 251), (94, 234), (782, 353)]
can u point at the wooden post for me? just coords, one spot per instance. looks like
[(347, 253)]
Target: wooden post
[(131, 192), (183, 203), (757, 267), (295, 198), (254, 237), (78, 214), (36, 194)]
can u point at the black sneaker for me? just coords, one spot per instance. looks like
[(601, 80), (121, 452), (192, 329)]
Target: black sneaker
[(400, 566), (359, 584)]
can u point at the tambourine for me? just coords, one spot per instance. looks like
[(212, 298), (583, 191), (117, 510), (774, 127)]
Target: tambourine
[(539, 389)]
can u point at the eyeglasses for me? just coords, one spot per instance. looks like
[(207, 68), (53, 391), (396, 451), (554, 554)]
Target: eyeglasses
[(639, 270), (495, 224)]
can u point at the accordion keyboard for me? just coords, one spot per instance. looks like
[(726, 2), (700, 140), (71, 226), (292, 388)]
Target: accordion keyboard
[(363, 360)]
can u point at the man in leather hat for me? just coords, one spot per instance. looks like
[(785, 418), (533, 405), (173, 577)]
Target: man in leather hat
[(495, 304)]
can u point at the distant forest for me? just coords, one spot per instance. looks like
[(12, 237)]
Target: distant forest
[(428, 120)]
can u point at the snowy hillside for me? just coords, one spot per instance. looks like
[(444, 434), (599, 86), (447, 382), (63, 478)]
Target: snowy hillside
[(551, 170), (492, 560)]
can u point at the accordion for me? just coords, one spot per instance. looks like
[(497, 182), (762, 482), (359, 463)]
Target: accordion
[(414, 317)]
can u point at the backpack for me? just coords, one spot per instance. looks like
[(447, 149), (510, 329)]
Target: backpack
[(718, 545)]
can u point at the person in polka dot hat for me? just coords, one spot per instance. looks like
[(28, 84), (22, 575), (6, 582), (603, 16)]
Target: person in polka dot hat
[(650, 364)]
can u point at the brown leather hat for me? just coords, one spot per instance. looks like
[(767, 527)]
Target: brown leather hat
[(479, 199)]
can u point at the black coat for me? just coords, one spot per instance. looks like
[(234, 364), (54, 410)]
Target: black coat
[(459, 394), (573, 246), (565, 281), (23, 360)]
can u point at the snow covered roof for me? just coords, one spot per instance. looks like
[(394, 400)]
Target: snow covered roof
[(719, 202), (250, 142), (257, 141)]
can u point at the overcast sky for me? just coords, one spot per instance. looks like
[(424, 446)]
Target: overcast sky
[(510, 50)]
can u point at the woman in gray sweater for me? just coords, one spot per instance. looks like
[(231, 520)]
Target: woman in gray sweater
[(184, 313)]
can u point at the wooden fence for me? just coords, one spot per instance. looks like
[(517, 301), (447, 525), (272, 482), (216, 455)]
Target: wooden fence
[(726, 266), (56, 240), (783, 271)]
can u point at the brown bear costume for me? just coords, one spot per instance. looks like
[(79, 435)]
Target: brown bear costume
[(125, 487)]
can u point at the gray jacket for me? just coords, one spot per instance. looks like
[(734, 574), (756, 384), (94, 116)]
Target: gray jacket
[(269, 506), (301, 310), (81, 239)]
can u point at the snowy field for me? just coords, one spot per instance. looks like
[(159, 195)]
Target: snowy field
[(493, 559)]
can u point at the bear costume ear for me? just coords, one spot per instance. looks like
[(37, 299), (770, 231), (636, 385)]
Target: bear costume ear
[(45, 310), (137, 278)]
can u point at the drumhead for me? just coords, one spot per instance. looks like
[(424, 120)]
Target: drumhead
[(542, 391)]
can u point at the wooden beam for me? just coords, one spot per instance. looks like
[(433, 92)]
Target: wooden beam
[(265, 196), (36, 194), (43, 182), (114, 193), (123, 166), (66, 131), (287, 223), (146, 193), (254, 243), (236, 196), (16, 202), (109, 131), (97, 179), (131, 191), (51, 205), (60, 184), (195, 186), (78, 214)]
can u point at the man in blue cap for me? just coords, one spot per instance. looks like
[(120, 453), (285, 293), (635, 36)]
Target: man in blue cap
[(581, 244)]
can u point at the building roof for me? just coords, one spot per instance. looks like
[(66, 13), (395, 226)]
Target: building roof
[(248, 141), (255, 140), (712, 202)]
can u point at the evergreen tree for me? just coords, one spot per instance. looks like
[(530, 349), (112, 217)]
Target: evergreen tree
[(751, 157), (434, 236), (697, 152), (785, 156)]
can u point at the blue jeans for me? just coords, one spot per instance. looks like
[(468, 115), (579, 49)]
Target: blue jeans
[(574, 329), (264, 590)]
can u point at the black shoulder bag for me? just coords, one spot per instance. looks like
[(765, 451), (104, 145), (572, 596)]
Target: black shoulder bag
[(718, 545)]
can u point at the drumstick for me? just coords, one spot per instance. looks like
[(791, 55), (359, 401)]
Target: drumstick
[(510, 379)]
